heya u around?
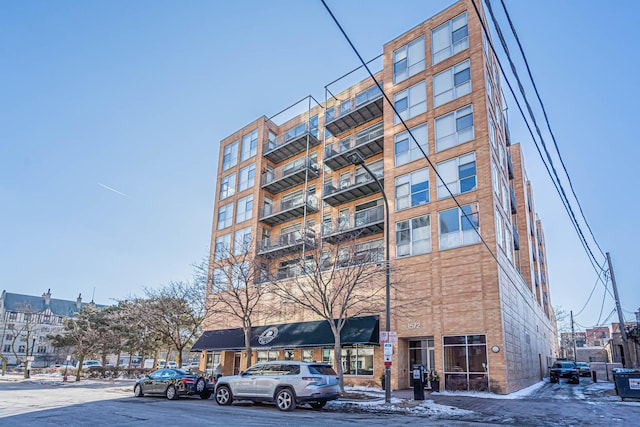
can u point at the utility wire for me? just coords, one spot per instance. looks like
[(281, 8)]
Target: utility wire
[(585, 245), (592, 290), (546, 118)]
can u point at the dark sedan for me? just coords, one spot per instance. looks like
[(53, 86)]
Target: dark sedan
[(172, 383)]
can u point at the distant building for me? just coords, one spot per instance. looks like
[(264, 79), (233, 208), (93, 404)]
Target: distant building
[(598, 336), (25, 322)]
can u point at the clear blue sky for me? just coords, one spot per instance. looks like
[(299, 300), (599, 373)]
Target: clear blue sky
[(135, 96)]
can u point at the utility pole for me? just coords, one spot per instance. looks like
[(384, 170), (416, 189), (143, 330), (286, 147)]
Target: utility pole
[(623, 332), (573, 338)]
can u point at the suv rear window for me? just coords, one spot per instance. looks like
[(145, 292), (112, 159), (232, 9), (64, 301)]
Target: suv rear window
[(321, 370)]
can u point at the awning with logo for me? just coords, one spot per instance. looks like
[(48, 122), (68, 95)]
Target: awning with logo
[(357, 330)]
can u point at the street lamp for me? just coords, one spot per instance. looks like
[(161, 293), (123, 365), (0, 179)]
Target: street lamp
[(357, 159)]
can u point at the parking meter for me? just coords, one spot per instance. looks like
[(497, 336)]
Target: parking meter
[(418, 382)]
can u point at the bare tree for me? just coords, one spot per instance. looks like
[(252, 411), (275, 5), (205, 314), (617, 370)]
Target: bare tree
[(336, 282), (25, 331), (238, 289)]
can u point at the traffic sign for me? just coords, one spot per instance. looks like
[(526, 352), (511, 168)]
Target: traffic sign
[(393, 337), (384, 336)]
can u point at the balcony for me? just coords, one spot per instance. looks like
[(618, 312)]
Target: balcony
[(353, 112), (288, 209), (293, 142), (287, 243), (514, 208), (516, 238), (353, 188), (368, 142), (289, 175), (363, 223), (509, 166)]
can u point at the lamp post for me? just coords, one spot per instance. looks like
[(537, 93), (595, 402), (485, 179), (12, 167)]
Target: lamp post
[(357, 159)]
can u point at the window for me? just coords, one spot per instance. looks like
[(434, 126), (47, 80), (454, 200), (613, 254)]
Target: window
[(327, 356), (411, 102), (225, 216), (6, 348), (370, 251), (357, 360), (247, 177), (413, 236), (223, 245), (220, 279), (249, 145), (230, 156), (267, 356), (492, 131), (406, 149), (240, 275), (307, 355), (8, 337), (451, 83), (242, 241), (41, 349), (13, 315), (412, 189), (21, 349), (227, 186), (459, 174), (499, 228), (457, 226), (245, 208), (454, 128), (465, 362), (408, 60), (450, 38)]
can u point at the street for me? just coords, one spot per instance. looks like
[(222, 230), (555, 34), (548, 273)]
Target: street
[(54, 403)]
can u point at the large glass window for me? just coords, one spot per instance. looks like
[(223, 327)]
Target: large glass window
[(406, 149), (357, 360), (454, 128), (230, 155), (223, 245), (220, 279), (458, 226), (413, 236), (240, 275), (242, 241), (412, 189), (499, 228), (227, 186), (247, 177), (450, 38), (465, 362), (225, 216), (245, 208), (452, 83), (459, 175), (411, 102), (408, 60), (249, 145)]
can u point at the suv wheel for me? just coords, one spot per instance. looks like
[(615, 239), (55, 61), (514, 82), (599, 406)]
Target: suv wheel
[(224, 396), (285, 400)]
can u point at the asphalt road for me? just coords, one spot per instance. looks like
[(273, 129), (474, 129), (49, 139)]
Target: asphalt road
[(110, 404)]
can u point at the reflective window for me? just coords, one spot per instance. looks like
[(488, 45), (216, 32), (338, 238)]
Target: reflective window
[(408, 60)]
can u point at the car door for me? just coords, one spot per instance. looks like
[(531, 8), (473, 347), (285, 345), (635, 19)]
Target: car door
[(151, 383), (245, 384), (270, 378)]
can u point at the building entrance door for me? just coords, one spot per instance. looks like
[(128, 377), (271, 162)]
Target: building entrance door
[(236, 363), (421, 352)]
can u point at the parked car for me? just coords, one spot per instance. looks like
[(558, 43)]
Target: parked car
[(285, 383), (564, 369), (91, 364), (172, 383), (584, 370)]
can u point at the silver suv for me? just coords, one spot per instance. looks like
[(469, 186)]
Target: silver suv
[(284, 382)]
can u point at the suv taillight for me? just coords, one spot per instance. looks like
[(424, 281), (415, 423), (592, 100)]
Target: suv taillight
[(311, 379)]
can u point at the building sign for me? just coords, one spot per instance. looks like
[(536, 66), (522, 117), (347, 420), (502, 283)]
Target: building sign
[(268, 335), (634, 383)]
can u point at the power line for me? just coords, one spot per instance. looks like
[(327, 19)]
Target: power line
[(592, 290), (565, 203), (546, 118)]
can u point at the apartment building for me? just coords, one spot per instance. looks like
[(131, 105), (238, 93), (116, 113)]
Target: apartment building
[(27, 320), (482, 316)]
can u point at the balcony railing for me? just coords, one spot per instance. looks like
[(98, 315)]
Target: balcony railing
[(289, 175), (291, 143), (509, 165), (283, 244), (364, 107), (289, 209), (368, 142), (343, 190), (516, 238), (514, 208), (362, 223)]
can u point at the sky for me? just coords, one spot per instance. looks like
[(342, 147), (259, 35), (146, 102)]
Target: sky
[(111, 113)]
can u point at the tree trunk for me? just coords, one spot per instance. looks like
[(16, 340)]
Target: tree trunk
[(337, 350), (247, 345)]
